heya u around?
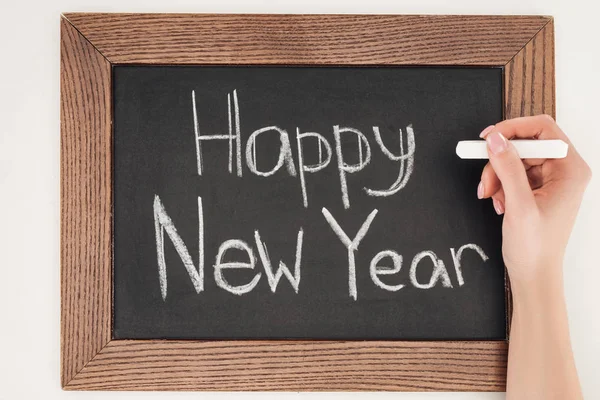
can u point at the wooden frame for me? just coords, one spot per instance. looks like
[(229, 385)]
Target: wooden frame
[(92, 43)]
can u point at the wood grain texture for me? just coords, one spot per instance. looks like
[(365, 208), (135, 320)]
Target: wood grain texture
[(529, 89), (91, 43), (86, 190), (307, 39), (296, 366), (529, 77)]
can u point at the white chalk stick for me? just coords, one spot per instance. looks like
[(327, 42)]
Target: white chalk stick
[(477, 149)]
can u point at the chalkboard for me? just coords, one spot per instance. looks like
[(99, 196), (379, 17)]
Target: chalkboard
[(375, 218)]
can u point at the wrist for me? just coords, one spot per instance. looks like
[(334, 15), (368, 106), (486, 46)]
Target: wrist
[(538, 290)]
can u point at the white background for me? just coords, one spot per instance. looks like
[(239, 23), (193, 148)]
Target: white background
[(29, 176)]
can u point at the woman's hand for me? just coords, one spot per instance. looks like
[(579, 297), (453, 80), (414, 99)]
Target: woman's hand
[(539, 198)]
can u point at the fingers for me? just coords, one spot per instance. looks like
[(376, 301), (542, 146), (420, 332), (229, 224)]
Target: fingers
[(571, 168), (510, 181), (490, 186), (489, 183), (536, 127), (498, 200), (511, 173)]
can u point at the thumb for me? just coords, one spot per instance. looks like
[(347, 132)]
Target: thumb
[(511, 172)]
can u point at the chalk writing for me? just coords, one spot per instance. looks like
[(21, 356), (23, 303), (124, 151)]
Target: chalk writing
[(235, 254), (405, 159), (163, 223)]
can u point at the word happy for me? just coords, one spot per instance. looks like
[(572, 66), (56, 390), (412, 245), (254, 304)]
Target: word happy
[(405, 160)]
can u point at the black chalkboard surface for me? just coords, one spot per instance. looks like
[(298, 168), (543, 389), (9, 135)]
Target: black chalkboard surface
[(376, 219)]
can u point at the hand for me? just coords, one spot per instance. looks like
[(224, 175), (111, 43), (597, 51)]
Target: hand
[(539, 198)]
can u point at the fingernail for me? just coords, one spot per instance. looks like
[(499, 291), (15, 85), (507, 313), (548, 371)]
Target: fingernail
[(498, 206), (485, 132), (480, 190), (496, 142)]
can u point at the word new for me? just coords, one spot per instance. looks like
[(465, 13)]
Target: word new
[(163, 223), (405, 160)]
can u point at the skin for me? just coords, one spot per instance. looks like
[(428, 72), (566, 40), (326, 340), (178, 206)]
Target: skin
[(540, 200)]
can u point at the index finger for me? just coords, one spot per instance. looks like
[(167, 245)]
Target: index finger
[(536, 127), (544, 127)]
